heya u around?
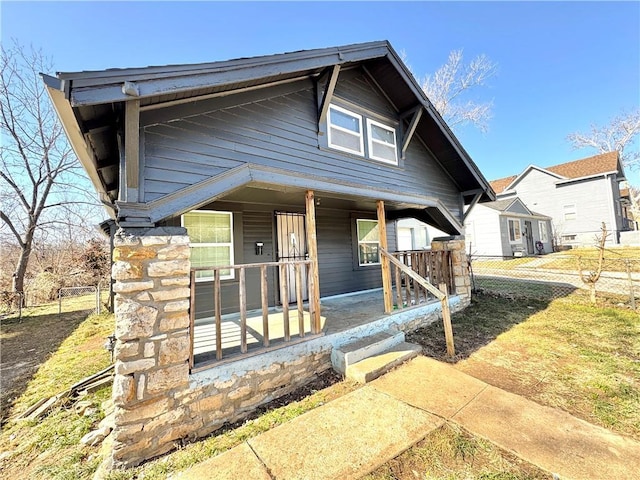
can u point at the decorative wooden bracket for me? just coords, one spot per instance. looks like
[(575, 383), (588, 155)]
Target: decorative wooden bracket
[(328, 95), (416, 115)]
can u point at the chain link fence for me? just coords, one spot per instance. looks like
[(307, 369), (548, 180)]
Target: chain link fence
[(11, 302), (85, 297), (547, 277)]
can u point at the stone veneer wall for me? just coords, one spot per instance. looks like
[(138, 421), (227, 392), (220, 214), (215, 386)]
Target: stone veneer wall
[(157, 402), (462, 279)]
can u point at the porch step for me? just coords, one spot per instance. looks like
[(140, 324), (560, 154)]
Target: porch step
[(351, 353), (371, 368)]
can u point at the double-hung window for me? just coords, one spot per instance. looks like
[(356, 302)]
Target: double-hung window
[(345, 130), (368, 242), (570, 212), (515, 234), (211, 238), (382, 142)]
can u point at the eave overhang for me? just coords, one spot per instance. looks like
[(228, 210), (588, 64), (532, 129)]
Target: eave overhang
[(90, 104)]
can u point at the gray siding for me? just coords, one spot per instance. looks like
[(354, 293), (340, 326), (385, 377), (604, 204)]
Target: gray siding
[(592, 197), (339, 272), (279, 132)]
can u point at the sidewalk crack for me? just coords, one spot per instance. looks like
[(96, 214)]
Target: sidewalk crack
[(267, 469)]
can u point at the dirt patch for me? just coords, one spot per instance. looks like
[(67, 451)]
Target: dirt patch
[(26, 344)]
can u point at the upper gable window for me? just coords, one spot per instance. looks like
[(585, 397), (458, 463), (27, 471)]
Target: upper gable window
[(345, 130), (382, 142)]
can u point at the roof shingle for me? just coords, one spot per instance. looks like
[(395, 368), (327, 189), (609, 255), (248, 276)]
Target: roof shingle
[(603, 163), (595, 165)]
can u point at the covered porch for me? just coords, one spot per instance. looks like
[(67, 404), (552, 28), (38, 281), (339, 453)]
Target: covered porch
[(224, 338)]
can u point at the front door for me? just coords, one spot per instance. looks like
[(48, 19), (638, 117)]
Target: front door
[(292, 245), (528, 233)]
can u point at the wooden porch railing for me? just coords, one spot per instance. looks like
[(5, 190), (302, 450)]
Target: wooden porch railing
[(421, 282), (284, 270), (435, 267)]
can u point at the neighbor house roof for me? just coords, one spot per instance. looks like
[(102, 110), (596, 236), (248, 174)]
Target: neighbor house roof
[(502, 183), (503, 206), (587, 167), (596, 165), (91, 104)]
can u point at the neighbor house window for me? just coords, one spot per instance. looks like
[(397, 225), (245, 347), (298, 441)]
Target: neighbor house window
[(568, 238), (345, 130), (514, 230), (570, 212), (368, 242), (382, 142), (544, 238), (211, 237)]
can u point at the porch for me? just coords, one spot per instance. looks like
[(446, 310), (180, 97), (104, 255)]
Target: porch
[(222, 338)]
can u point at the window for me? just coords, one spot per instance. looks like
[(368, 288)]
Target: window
[(542, 227), (514, 231), (570, 212), (345, 130), (368, 242), (211, 236), (568, 238), (382, 142)]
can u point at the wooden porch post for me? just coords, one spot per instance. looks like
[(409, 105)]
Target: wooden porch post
[(312, 245), (386, 269)]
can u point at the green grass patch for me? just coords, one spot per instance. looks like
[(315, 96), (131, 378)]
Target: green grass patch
[(81, 354), (451, 453), (583, 359)]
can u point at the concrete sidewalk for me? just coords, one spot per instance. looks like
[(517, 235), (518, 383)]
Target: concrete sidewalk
[(351, 436)]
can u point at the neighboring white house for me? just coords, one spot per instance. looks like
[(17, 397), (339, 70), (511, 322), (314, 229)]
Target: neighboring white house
[(507, 228), (578, 196)]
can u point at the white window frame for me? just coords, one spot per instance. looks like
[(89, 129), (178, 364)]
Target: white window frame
[(345, 130), (515, 240), (571, 211), (358, 220), (542, 231), (231, 275), (371, 141)]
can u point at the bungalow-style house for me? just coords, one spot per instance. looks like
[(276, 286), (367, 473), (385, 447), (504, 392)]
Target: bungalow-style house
[(249, 195), (507, 228), (578, 196)]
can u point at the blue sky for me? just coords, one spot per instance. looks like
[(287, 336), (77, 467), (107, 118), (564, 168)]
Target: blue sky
[(562, 65)]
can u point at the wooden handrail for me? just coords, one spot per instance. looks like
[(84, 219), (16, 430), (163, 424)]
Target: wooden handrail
[(441, 295), (413, 275)]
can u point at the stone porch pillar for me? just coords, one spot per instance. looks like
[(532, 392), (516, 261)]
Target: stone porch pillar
[(462, 279), (151, 283)]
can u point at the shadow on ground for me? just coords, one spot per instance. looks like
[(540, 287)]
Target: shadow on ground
[(26, 344), (488, 316)]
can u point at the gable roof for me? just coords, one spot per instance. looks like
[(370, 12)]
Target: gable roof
[(91, 104), (587, 167), (600, 164), (504, 206), (502, 183)]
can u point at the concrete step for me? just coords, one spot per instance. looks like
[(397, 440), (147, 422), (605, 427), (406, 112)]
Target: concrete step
[(351, 353), (372, 367)]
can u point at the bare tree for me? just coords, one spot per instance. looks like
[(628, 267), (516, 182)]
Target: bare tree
[(39, 174), (619, 134), (452, 82), (591, 278)]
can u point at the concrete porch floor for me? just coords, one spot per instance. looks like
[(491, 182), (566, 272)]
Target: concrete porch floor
[(338, 314)]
